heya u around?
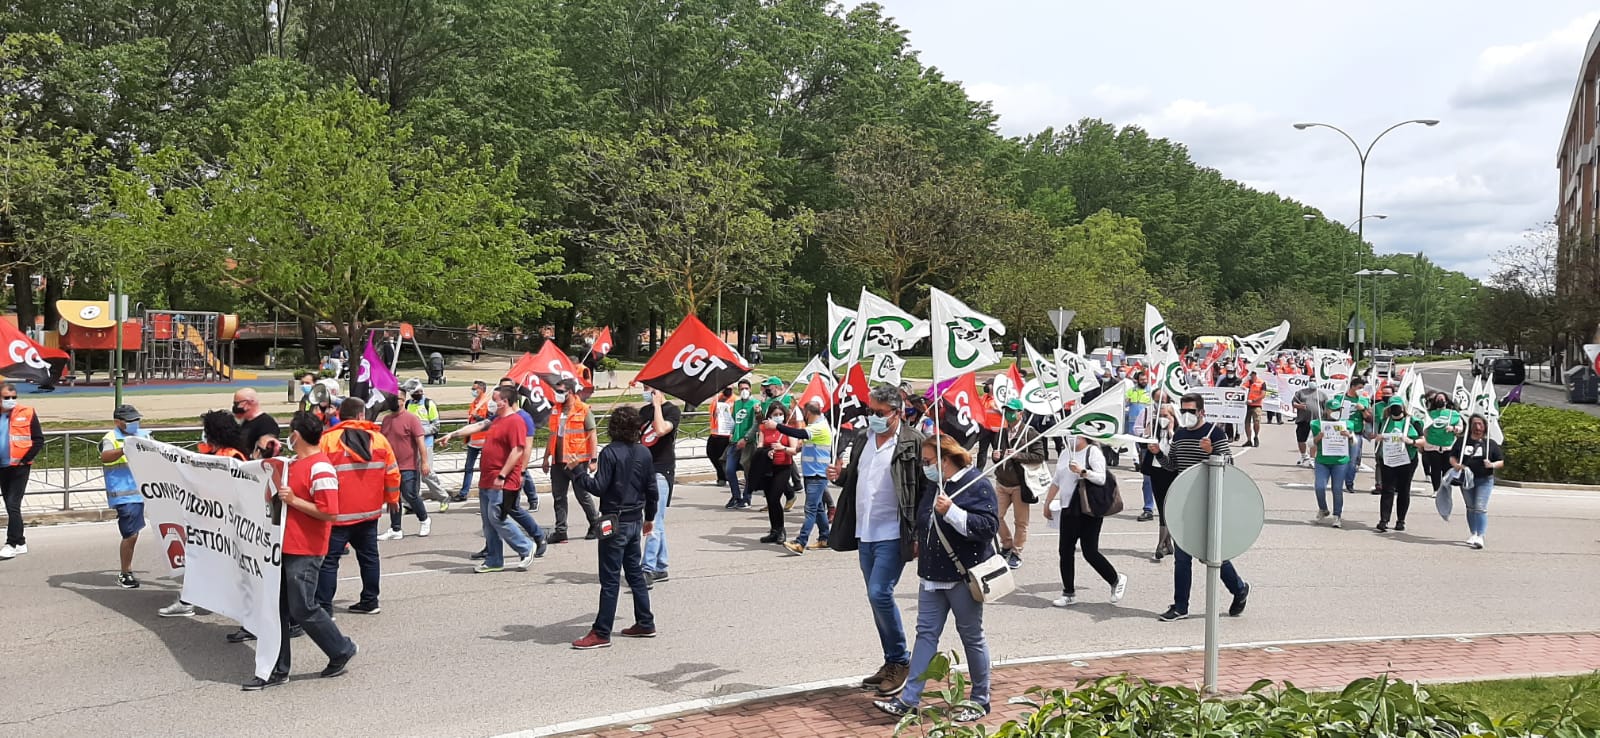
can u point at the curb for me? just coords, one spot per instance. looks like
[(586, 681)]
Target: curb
[(67, 517), (1548, 486), (585, 727)]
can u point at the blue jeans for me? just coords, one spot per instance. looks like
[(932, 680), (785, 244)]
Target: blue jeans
[(1477, 499), (525, 520), (363, 539), (655, 545), (1149, 495), (1334, 474), (528, 488), (730, 469), (619, 554), (881, 567), (1355, 463), (933, 609), (497, 531), (466, 478), (816, 510), (411, 495), (1182, 577)]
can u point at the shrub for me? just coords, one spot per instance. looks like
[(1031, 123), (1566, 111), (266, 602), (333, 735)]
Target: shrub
[(608, 364), (1546, 444), (1128, 707)]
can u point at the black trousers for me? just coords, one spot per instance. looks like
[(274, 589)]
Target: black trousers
[(1082, 530), (986, 442), (1435, 464), (1396, 490), (13, 485), (777, 487), (560, 485), (716, 446)]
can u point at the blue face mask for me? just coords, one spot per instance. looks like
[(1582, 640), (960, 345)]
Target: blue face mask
[(305, 389), (931, 471), (133, 430), (878, 425)]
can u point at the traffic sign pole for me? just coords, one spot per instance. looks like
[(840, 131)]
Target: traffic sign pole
[(1214, 466)]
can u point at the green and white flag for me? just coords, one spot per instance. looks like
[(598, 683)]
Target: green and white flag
[(841, 336), (1157, 336), (883, 328), (1460, 396), (812, 368), (1256, 345), (886, 369), (1101, 419), (960, 336), (1075, 375), (1044, 372), (1171, 378)]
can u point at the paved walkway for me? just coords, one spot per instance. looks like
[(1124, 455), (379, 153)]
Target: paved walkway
[(843, 711)]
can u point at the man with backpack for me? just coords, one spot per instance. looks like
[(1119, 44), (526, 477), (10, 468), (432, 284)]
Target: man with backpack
[(1194, 441)]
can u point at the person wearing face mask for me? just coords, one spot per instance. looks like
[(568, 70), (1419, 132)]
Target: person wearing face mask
[(660, 435), (257, 430), (880, 490), (719, 435), (1083, 461), (500, 466), (369, 483), (1479, 454), (1156, 463), (21, 439), (745, 414), (957, 524), (478, 411), (816, 455), (426, 411), (1444, 427), (403, 431), (307, 381), (1026, 450), (1356, 410), (1192, 443), (572, 438), (775, 393), (122, 492), (770, 457), (1399, 436), (1330, 469)]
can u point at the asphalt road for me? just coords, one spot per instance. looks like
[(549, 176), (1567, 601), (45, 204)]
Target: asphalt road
[(1442, 376), (454, 653)]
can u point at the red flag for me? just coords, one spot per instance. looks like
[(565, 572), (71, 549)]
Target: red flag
[(602, 342), (25, 360), (963, 408), (553, 365), (851, 396), (816, 389), (520, 371), (694, 364)]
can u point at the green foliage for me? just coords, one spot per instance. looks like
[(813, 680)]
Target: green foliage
[(1128, 707), (1546, 444)]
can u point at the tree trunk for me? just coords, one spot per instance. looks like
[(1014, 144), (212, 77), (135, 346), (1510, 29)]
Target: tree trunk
[(308, 342), (655, 337), (22, 285), (52, 293), (629, 336), (564, 324)]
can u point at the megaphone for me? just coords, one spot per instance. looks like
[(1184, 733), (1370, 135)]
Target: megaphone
[(320, 394)]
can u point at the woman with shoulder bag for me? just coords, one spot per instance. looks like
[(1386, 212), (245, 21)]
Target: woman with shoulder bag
[(1017, 484), (1083, 465), (1156, 462), (955, 533)]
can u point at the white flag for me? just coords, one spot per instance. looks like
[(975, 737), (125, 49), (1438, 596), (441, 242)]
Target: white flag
[(1075, 375), (1170, 377), (1479, 404), (841, 335), (814, 367), (960, 336), (1411, 390), (886, 370), (1101, 419), (1082, 347), (883, 328), (1157, 336), (1256, 345), (1044, 372), (1460, 396), (1492, 410), (1041, 400)]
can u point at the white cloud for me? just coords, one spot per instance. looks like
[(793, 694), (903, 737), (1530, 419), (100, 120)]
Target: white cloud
[(1516, 73)]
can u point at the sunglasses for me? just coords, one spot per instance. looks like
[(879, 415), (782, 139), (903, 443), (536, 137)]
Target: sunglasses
[(884, 413)]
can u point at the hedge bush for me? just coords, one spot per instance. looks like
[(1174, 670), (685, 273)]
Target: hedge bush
[(1546, 444), (1127, 707)]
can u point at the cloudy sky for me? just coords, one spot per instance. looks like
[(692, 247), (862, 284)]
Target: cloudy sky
[(1229, 77)]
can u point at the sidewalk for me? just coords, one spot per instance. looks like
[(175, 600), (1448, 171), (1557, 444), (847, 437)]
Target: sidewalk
[(840, 711)]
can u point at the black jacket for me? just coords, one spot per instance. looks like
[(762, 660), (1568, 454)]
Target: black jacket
[(983, 520), (905, 469), (625, 485), (1030, 450)]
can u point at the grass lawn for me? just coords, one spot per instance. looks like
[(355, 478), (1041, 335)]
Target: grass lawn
[(1502, 698)]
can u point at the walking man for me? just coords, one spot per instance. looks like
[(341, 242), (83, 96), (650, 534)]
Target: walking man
[(122, 492), (744, 416), (427, 411), (1011, 477), (660, 435), (499, 480), (1194, 442), (572, 438), (21, 439), (403, 431), (369, 480), (478, 411), (816, 455)]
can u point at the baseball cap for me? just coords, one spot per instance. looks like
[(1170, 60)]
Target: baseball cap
[(411, 385), (772, 381), (1014, 404), (126, 413)]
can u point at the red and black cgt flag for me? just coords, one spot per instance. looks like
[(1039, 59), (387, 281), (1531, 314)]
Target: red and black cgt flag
[(25, 360), (693, 365), (851, 395), (602, 342), (961, 409)]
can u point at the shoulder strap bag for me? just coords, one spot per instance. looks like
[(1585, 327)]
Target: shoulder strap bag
[(988, 580)]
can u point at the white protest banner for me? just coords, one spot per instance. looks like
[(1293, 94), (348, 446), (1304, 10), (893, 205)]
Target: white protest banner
[(1287, 385), (1223, 404), (216, 526)]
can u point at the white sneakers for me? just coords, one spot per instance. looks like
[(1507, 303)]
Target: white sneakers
[(1305, 461), (1065, 600), (427, 527), (1338, 522), (1476, 542), (9, 551), (525, 562), (177, 610), (1120, 589), (391, 535)]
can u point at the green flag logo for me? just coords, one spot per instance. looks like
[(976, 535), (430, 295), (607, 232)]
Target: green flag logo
[(881, 332), (843, 336), (963, 332), (1095, 425)]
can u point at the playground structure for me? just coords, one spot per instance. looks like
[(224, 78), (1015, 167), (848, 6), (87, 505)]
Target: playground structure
[(170, 345)]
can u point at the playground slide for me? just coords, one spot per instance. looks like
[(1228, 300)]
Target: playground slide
[(193, 337)]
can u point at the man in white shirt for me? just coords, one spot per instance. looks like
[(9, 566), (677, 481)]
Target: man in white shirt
[(876, 517)]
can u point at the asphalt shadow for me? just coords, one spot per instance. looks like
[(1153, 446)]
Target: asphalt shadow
[(198, 644), (553, 634)]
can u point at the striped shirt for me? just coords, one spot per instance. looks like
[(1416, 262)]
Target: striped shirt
[(1186, 450), (311, 478)]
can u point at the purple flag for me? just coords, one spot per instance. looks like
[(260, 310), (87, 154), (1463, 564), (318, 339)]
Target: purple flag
[(372, 374)]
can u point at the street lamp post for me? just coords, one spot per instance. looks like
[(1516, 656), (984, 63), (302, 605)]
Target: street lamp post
[(1377, 305), (1361, 197)]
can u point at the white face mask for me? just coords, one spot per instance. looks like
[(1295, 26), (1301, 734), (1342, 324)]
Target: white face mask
[(1166, 422), (1189, 420), (744, 394), (647, 395), (559, 397), (494, 407), (8, 404)]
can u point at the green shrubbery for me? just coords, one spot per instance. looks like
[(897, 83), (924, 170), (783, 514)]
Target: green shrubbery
[(1545, 444), (1127, 707)]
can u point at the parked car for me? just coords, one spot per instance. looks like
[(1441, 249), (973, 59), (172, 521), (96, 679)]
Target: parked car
[(1507, 370), (1383, 363), (1481, 359)]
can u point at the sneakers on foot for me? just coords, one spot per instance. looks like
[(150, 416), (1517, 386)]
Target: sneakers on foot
[(794, 547), (590, 642), (559, 536), (127, 580), (427, 527), (1322, 516), (524, 562), (969, 714), (177, 610), (1476, 542), (365, 608), (1172, 614), (541, 547), (637, 631), (1400, 527), (591, 535), (772, 537), (893, 708), (240, 636), (9, 551), (390, 535), (1146, 516), (788, 503), (1382, 527), (1119, 589), (339, 666), (818, 545), (256, 684), (731, 505), (479, 556), (485, 568), (1239, 601), (894, 680), (1338, 521), (1065, 600), (1014, 561)]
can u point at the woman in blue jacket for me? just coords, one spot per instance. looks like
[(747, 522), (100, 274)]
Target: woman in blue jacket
[(968, 517)]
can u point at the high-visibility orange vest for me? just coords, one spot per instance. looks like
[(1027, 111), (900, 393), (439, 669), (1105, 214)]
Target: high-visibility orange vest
[(992, 418), (210, 450), (365, 484), (566, 428), (478, 411), (1258, 390), (21, 433)]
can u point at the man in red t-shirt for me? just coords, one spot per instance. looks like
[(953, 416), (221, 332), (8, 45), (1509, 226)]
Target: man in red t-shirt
[(311, 502), (505, 453)]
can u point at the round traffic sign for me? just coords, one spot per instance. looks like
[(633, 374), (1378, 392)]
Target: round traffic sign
[(1243, 511)]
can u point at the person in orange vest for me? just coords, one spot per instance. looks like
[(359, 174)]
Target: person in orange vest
[(369, 483), (991, 419), (572, 438), (1256, 395), (720, 435), (477, 412), (20, 442)]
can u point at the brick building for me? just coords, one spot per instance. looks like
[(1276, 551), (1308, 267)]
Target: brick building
[(1578, 209)]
